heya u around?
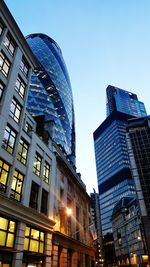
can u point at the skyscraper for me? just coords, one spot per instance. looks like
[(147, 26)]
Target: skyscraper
[(50, 92), (112, 162), (111, 152), (123, 101), (138, 138)]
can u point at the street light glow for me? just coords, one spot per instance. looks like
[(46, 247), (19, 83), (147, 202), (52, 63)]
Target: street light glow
[(68, 211)]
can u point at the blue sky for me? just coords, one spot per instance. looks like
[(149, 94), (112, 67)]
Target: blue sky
[(103, 42)]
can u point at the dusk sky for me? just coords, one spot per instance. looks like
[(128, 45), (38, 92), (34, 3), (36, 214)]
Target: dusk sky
[(103, 42)]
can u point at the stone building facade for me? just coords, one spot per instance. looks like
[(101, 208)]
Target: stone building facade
[(37, 182)]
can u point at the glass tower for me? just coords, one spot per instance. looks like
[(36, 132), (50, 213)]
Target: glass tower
[(50, 92), (113, 167), (111, 152), (124, 101)]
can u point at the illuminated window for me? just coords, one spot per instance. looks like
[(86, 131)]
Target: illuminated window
[(34, 240), (44, 201), (1, 89), (20, 87), (24, 67), (23, 148), (4, 64), (16, 187), (34, 195), (1, 28), (9, 139), (46, 172), (7, 232), (37, 164), (9, 44), (4, 172), (15, 110)]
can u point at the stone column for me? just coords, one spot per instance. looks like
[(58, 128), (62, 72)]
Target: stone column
[(19, 245), (55, 256), (48, 250), (63, 258)]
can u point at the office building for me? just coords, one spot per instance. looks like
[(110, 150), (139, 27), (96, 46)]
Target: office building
[(50, 93), (128, 233), (96, 219), (138, 138), (113, 167), (124, 101), (37, 181), (111, 153)]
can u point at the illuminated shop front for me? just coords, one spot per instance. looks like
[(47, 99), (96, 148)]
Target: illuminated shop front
[(34, 244), (33, 247), (7, 238)]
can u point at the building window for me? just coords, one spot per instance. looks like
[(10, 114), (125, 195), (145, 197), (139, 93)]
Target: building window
[(69, 205), (15, 110), (23, 148), (70, 188), (1, 28), (28, 127), (37, 164), (24, 67), (34, 240), (69, 226), (7, 232), (34, 195), (77, 224), (4, 64), (46, 172), (9, 44), (9, 139), (20, 87), (17, 184), (44, 201), (4, 172), (1, 89)]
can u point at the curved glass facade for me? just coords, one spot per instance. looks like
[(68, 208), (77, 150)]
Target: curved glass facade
[(50, 91)]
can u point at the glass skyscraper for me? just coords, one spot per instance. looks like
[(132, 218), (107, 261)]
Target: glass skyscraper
[(112, 159), (50, 92), (124, 101), (112, 162)]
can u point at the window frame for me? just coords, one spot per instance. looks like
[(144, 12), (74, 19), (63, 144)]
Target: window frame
[(14, 193), (34, 193), (24, 67), (8, 232), (5, 172), (5, 62), (24, 150), (28, 128), (15, 108), (44, 201), (9, 43), (37, 162), (2, 88), (30, 238), (46, 172), (21, 86), (6, 145)]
